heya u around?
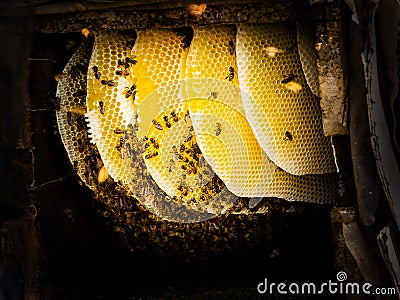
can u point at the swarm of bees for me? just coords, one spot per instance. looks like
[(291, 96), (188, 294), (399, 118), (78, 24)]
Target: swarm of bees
[(231, 46), (101, 107), (96, 72), (213, 95), (107, 82), (196, 10), (167, 120)]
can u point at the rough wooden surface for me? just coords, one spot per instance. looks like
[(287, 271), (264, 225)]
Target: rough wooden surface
[(175, 14), (370, 264), (365, 171), (331, 77), (19, 232)]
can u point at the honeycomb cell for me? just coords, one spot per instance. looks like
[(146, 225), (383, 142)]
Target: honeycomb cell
[(282, 124)]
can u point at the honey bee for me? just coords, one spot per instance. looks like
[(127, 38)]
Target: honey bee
[(200, 180), (231, 75), (69, 119), (121, 142), (293, 86), (205, 172), (118, 72), (101, 105), (213, 95), (131, 92), (196, 10), (58, 76), (80, 123), (107, 82), (167, 123), (125, 73), (121, 154), (171, 167), (119, 131), (151, 155), (175, 152), (273, 51), (174, 116), (85, 32), (219, 129), (288, 136), (157, 125), (97, 74), (231, 46), (128, 149), (120, 62), (288, 78), (182, 148), (196, 149)]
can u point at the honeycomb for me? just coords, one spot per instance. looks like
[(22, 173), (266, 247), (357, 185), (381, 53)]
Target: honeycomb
[(71, 92), (110, 99), (223, 133), (286, 121), (171, 152), (186, 120)]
